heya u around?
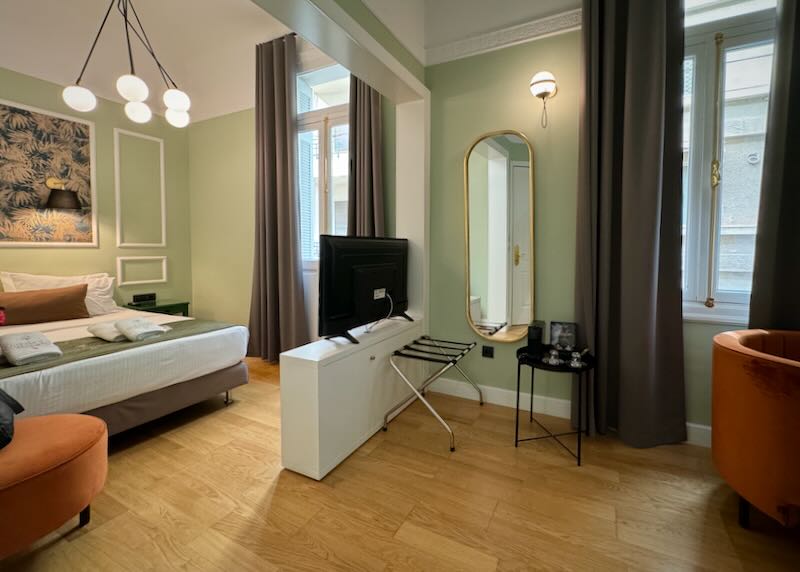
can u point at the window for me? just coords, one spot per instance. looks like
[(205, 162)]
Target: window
[(323, 161), (719, 224)]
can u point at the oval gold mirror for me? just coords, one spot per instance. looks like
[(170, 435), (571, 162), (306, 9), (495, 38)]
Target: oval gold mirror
[(498, 200)]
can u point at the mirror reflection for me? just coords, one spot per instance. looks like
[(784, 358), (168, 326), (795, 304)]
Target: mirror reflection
[(499, 231)]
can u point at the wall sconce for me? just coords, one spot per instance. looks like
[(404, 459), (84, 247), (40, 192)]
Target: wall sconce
[(543, 86), (60, 198)]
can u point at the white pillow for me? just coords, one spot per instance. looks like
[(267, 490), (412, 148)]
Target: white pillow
[(99, 294)]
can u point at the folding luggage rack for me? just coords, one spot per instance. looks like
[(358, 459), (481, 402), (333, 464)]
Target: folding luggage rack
[(447, 353)]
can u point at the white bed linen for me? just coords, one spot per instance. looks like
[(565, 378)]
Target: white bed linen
[(87, 384)]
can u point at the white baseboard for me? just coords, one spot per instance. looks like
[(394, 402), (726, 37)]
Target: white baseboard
[(696, 434), (498, 396)]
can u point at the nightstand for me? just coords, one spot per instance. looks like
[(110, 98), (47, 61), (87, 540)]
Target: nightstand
[(174, 307)]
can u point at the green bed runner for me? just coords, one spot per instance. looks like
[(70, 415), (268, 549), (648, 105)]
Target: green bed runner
[(85, 348)]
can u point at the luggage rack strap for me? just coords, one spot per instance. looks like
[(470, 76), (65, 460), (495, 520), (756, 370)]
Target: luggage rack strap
[(401, 353), (439, 353), (451, 342)]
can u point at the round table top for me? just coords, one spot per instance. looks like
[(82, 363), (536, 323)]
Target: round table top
[(526, 358)]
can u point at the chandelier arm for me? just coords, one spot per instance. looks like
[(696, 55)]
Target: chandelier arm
[(124, 11), (149, 47), (94, 43)]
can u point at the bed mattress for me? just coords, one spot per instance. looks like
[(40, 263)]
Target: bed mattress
[(91, 383)]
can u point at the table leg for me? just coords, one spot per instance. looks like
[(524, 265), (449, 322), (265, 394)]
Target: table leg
[(587, 409), (580, 417), (533, 374), (516, 415)]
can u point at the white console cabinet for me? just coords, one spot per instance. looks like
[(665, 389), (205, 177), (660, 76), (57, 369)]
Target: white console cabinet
[(334, 394)]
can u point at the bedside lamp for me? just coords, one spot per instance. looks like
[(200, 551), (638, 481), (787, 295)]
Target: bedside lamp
[(543, 86), (60, 198)]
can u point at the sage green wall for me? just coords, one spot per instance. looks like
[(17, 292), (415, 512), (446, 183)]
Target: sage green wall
[(222, 182), (33, 92), (486, 93), (697, 342), (490, 92)]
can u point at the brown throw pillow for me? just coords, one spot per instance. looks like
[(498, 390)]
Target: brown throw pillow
[(51, 305)]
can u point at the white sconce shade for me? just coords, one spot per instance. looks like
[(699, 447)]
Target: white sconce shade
[(177, 100), (79, 98), (138, 111), (132, 88), (177, 118), (543, 85)]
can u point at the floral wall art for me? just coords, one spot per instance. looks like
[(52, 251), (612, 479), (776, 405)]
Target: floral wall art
[(37, 145)]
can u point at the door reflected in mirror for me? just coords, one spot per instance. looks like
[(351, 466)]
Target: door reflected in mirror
[(498, 186)]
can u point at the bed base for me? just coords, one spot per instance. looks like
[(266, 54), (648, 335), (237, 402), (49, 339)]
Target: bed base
[(146, 407)]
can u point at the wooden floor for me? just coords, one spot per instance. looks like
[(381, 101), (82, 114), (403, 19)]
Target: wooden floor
[(204, 490)]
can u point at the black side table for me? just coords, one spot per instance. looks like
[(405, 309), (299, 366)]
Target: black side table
[(535, 362)]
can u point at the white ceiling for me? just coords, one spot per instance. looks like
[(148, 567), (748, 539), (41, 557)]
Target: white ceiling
[(424, 24), (207, 46)]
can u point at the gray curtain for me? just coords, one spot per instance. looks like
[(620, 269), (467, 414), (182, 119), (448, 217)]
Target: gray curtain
[(365, 204), (774, 301), (277, 311), (628, 273)]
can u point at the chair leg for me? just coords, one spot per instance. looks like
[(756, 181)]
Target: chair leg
[(84, 517), (744, 513)]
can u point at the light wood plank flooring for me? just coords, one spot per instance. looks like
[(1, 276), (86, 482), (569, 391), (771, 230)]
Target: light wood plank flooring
[(204, 490)]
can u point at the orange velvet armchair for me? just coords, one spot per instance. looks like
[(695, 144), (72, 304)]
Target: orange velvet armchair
[(756, 420)]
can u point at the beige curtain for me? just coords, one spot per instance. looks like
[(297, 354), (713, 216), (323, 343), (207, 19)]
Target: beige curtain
[(774, 300), (277, 310), (365, 204), (628, 274)]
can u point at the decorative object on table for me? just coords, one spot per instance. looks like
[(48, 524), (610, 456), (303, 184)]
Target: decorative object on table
[(46, 198), (536, 337), (587, 363), (8, 408), (553, 358), (563, 335), (130, 86)]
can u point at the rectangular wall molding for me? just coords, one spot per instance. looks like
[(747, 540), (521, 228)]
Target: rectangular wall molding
[(122, 260), (118, 133), (696, 434)]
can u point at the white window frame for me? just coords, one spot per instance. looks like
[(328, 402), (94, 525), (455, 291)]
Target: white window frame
[(323, 120), (730, 307)]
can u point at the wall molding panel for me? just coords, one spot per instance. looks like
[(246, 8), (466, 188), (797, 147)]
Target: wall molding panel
[(118, 191), (122, 260), (499, 39)]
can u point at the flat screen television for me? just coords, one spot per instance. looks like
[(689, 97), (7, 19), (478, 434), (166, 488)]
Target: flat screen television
[(361, 280)]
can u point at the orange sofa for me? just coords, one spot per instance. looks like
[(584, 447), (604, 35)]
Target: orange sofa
[(756, 420), (50, 472)]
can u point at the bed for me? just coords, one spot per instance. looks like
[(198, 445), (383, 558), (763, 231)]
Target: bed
[(135, 385)]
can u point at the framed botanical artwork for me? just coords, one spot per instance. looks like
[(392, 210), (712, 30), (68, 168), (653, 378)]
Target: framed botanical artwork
[(47, 179)]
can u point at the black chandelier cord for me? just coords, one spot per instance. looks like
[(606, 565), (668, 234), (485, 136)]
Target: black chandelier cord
[(149, 47), (94, 43), (127, 35)]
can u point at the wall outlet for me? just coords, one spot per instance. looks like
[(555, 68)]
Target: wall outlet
[(379, 294), (487, 351)]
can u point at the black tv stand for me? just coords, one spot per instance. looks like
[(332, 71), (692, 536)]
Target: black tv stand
[(346, 335), (406, 316)]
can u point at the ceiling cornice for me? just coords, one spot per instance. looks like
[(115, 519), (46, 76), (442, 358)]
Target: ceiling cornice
[(490, 41)]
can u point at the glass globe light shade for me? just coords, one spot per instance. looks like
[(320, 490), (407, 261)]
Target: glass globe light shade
[(138, 111), (543, 84), (177, 118), (177, 100), (79, 98), (132, 88)]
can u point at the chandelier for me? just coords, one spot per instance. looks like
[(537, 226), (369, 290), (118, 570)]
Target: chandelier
[(130, 86)]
